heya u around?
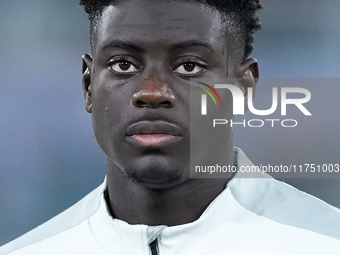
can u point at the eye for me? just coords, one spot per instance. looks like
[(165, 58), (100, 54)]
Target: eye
[(189, 68), (123, 66)]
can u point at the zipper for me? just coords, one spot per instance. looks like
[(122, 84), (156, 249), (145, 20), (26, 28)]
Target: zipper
[(154, 247)]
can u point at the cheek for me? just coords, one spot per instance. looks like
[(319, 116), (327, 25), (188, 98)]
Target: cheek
[(107, 115), (110, 98), (206, 140)]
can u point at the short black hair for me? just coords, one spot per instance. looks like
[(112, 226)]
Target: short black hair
[(243, 13)]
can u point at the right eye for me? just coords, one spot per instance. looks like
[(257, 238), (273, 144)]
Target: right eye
[(189, 68), (123, 67)]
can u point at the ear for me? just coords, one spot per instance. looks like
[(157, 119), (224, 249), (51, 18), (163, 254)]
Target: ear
[(247, 77), (86, 69)]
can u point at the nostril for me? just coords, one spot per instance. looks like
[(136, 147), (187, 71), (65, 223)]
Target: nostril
[(145, 104), (166, 104), (140, 103)]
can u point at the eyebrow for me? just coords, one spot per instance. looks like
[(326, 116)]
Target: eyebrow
[(191, 43), (121, 44)]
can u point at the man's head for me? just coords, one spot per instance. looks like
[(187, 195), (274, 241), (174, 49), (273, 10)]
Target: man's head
[(137, 85)]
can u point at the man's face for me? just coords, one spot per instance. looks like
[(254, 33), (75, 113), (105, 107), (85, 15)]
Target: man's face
[(144, 55)]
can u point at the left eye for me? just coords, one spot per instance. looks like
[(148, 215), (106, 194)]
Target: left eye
[(189, 68), (123, 67)]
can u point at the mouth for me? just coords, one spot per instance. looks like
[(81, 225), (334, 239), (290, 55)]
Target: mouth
[(154, 133)]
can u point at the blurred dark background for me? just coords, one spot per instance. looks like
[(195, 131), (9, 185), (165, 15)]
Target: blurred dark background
[(49, 158)]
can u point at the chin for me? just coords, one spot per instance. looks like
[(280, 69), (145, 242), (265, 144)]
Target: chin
[(155, 177)]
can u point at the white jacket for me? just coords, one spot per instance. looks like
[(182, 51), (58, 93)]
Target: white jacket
[(251, 216)]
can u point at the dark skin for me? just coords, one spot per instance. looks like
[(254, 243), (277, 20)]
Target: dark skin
[(136, 87)]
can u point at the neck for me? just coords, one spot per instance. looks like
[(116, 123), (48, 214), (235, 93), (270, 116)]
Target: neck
[(181, 203)]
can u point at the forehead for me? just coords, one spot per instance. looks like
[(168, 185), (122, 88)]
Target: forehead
[(147, 23)]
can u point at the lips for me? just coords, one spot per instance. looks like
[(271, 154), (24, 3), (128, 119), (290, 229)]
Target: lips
[(154, 133)]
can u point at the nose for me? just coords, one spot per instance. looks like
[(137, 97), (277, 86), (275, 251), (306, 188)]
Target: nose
[(154, 93)]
